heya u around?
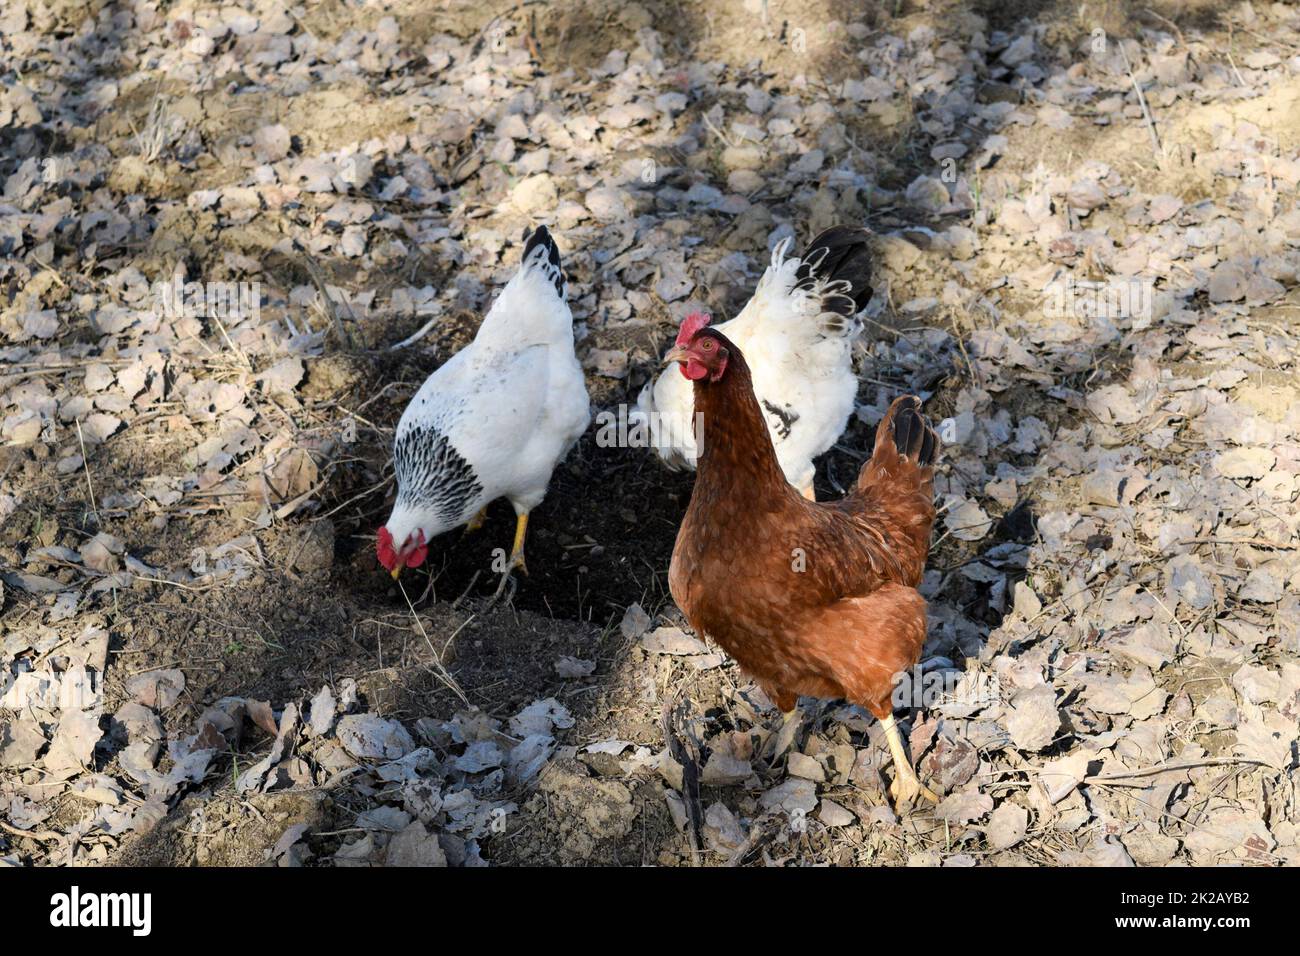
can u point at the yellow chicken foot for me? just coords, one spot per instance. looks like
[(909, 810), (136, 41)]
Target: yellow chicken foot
[(517, 552), (476, 522), (516, 562), (906, 787)]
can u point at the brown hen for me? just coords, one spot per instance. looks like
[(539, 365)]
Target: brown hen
[(815, 599)]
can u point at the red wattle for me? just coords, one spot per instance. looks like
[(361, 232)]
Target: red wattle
[(694, 370), (419, 552)]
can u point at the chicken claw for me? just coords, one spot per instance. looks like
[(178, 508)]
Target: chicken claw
[(906, 787), (508, 585)]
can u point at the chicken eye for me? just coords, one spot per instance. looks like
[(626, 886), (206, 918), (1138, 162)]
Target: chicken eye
[(707, 345)]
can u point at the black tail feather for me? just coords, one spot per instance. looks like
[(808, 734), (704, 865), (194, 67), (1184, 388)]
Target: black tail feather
[(840, 254), (913, 436), (541, 236)]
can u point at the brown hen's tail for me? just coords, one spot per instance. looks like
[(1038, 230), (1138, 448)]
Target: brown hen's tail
[(895, 489)]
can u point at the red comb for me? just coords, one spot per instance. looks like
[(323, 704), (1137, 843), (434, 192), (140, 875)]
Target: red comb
[(385, 550), (691, 325)]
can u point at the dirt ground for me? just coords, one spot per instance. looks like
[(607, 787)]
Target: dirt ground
[(215, 519)]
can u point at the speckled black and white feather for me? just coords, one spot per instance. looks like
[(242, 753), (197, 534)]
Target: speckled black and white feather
[(541, 252), (436, 476), (497, 417)]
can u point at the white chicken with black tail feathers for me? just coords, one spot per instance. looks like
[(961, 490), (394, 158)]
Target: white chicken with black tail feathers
[(797, 333), (493, 421)]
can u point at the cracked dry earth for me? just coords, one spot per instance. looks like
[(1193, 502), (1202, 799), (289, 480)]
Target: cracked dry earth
[(1088, 245)]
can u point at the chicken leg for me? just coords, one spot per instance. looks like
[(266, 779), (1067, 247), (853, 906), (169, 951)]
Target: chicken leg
[(906, 787), (476, 522), (516, 559)]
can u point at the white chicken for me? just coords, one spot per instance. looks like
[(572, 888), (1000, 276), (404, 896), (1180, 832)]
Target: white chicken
[(797, 334), (493, 421)]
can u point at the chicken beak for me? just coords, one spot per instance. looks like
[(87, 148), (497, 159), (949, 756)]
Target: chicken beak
[(677, 353), (397, 570)]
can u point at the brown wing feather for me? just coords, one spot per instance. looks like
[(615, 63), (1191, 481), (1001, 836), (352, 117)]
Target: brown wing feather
[(861, 644), (881, 531)]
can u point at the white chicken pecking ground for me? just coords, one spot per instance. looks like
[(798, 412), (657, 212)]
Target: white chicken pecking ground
[(493, 421), (797, 333)]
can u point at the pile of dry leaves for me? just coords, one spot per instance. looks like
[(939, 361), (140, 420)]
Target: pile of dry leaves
[(235, 236)]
